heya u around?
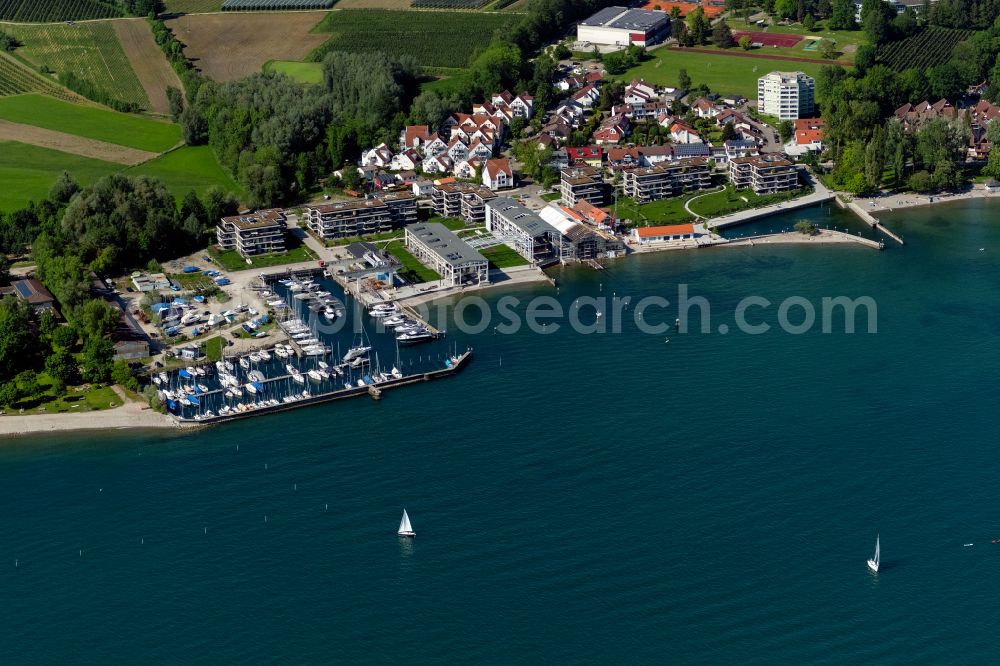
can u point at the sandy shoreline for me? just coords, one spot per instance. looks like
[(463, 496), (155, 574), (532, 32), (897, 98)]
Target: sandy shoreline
[(131, 415), (891, 202)]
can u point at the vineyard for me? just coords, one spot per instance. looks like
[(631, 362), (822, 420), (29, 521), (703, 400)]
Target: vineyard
[(87, 57), (434, 39), (449, 4), (192, 6), (931, 47), (47, 11), (280, 5), (15, 79)]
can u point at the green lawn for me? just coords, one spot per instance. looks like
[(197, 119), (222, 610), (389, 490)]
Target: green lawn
[(230, 260), (28, 172), (91, 122), (451, 79), (551, 196), (214, 347), (453, 223), (46, 401), (663, 211), (413, 270), (723, 74), (189, 168), (370, 238), (191, 281), (503, 256), (303, 72), (732, 200)]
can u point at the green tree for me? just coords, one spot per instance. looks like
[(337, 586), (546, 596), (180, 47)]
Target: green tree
[(786, 9), (683, 79), (27, 383), (809, 23), (560, 52), (876, 18), (722, 36), (63, 337), (97, 319), (992, 168), (806, 227), (842, 15), (350, 179), (875, 158), (64, 188), (121, 374), (18, 344), (98, 355), (698, 26), (786, 130), (62, 367), (9, 393), (828, 49), (175, 98), (746, 42)]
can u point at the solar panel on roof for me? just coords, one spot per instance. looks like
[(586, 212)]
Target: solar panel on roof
[(23, 289)]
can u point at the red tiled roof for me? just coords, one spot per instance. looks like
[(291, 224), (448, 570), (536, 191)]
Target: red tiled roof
[(669, 230)]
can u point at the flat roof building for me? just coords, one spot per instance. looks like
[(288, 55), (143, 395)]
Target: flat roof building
[(619, 26), (787, 95), (764, 174), (344, 219), (582, 183), (463, 200), (435, 246), (524, 230), (666, 179), (672, 233), (253, 234)]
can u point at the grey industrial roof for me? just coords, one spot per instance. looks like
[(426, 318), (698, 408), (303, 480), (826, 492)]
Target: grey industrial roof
[(603, 16), (442, 242), (524, 218), (639, 19)]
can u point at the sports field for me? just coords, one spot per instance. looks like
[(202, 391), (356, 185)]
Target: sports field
[(303, 72), (90, 51), (188, 168), (28, 172), (724, 74), (91, 122)]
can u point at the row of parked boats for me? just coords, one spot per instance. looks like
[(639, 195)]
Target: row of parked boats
[(408, 331), (304, 337), (319, 301)]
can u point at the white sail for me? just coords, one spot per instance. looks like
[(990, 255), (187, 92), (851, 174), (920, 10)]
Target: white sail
[(404, 525), (876, 550)]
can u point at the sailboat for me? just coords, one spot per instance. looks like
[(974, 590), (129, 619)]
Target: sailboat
[(872, 563), (405, 529)]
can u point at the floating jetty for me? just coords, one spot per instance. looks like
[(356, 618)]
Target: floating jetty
[(452, 365)]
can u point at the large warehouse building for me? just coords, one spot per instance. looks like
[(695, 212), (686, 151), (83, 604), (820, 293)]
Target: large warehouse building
[(620, 26)]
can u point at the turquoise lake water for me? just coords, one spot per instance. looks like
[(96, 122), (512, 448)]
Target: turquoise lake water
[(577, 498)]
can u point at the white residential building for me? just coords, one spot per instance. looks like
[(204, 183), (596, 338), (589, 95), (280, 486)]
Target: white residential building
[(787, 95)]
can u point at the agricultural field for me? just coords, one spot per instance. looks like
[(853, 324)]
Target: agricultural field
[(274, 5), (148, 62), (91, 51), (724, 74), (28, 172), (17, 78), (44, 11), (91, 122), (930, 47), (71, 143), (456, 34), (374, 4), (192, 6), (449, 4), (188, 168), (233, 45), (303, 72)]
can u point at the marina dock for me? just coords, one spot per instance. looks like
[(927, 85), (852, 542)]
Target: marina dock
[(453, 365), (870, 219)]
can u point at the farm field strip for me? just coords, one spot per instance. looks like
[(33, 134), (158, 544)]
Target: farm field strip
[(91, 51), (232, 45), (457, 34), (45, 11), (193, 6), (16, 78), (28, 172), (148, 62), (71, 143), (91, 122)]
